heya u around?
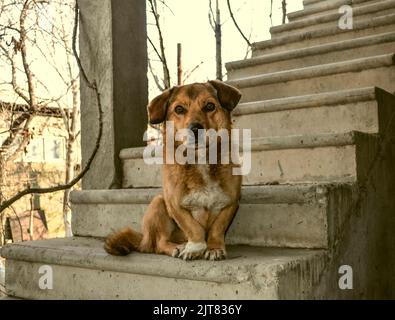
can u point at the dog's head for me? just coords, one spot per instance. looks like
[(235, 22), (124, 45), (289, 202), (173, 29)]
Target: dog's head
[(195, 107)]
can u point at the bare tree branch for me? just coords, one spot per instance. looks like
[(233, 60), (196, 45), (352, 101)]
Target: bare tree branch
[(211, 16), (22, 47), (217, 27), (14, 82), (164, 3), (156, 79), (19, 221), (155, 49), (271, 12), (236, 24), (166, 73), (189, 74), (93, 86), (284, 8)]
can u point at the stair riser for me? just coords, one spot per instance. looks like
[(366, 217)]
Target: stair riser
[(383, 77), (308, 41), (312, 60), (322, 5), (273, 166), (298, 160), (301, 225), (83, 284), (314, 10), (330, 24), (302, 165), (137, 174), (359, 116)]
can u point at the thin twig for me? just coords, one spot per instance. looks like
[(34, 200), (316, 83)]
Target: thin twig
[(236, 24), (166, 72), (155, 49), (211, 16), (187, 75), (156, 79), (19, 221)]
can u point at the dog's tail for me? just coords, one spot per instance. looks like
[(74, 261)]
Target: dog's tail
[(123, 242)]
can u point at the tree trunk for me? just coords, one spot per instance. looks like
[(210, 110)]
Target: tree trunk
[(2, 214), (66, 195), (31, 219), (218, 41), (70, 152), (179, 64), (284, 8)]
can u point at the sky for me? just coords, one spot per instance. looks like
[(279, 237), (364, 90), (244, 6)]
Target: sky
[(186, 22), (46, 54)]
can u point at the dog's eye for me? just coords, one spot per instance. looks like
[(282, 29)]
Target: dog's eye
[(179, 110), (209, 107)]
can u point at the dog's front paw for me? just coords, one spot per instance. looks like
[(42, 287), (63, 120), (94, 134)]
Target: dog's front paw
[(178, 249), (190, 250), (215, 254)]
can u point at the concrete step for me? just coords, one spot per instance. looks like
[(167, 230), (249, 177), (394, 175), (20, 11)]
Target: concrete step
[(82, 270), (366, 110), (288, 159), (376, 71), (377, 44), (308, 4), (361, 28), (329, 20), (322, 7), (294, 216)]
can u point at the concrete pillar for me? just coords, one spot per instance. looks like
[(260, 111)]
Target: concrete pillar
[(113, 51)]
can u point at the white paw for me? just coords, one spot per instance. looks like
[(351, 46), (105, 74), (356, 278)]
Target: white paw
[(190, 250)]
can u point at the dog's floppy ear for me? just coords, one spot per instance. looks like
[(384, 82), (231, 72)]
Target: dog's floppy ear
[(228, 96), (157, 108)]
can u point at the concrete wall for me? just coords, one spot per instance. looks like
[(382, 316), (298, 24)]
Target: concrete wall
[(367, 241), (113, 52)]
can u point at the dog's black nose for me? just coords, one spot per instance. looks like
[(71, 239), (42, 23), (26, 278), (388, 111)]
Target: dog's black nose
[(195, 127)]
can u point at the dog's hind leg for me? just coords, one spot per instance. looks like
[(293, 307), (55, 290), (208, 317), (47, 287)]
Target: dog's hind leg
[(123, 242), (160, 234), (159, 230)]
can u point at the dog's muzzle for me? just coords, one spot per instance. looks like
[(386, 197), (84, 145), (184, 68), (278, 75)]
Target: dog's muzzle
[(197, 136)]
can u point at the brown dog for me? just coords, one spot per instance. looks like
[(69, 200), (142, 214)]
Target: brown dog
[(199, 201)]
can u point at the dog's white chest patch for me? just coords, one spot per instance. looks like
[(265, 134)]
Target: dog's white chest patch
[(211, 197)]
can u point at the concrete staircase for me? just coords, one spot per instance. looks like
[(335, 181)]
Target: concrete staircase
[(320, 103)]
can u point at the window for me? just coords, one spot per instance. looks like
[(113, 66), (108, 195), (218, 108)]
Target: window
[(54, 149), (35, 150), (43, 149)]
